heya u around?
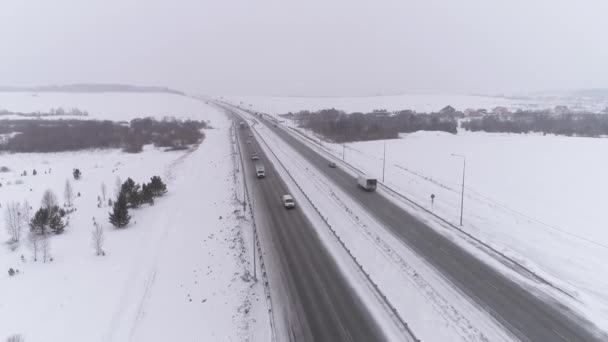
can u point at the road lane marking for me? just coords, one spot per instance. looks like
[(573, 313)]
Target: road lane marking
[(444, 250), (494, 286), (560, 335)]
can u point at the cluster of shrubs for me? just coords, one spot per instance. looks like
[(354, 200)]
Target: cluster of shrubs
[(132, 195), (339, 126), (569, 124), (72, 135), (49, 217)]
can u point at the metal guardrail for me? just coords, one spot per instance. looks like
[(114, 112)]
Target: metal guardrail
[(379, 293), (247, 198)]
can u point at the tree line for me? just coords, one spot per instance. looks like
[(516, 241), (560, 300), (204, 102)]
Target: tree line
[(568, 124), (133, 195), (72, 135), (53, 112), (339, 126)]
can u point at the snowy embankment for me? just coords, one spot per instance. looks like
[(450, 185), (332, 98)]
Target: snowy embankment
[(180, 270), (441, 312)]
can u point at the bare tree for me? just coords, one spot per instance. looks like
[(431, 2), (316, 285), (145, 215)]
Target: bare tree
[(104, 190), (49, 200), (45, 247), (12, 218), (97, 239), (68, 193), (117, 187), (34, 243), (26, 213)]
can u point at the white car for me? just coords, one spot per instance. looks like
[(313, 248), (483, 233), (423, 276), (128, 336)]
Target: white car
[(255, 157), (288, 202)]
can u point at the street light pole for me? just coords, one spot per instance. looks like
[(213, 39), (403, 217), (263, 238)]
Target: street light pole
[(464, 168), (255, 277), (383, 161)]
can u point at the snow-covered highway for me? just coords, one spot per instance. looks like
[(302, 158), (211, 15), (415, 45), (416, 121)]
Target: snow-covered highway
[(528, 316)]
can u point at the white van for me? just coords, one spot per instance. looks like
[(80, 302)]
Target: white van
[(259, 171), (367, 183), (288, 202)]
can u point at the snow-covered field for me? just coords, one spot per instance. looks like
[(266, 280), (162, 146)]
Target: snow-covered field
[(109, 106), (539, 199), (180, 271)]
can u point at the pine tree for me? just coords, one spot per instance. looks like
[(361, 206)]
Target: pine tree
[(134, 198), (147, 196), (119, 217), (132, 193), (158, 187), (127, 186), (39, 222), (77, 174), (56, 224)]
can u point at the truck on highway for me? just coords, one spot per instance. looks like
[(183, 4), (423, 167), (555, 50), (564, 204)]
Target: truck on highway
[(367, 183), (259, 171)]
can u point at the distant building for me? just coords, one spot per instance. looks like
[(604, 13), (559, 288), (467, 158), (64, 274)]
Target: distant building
[(448, 110), (474, 113)]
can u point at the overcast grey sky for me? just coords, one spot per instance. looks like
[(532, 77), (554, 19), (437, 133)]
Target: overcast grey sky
[(308, 47)]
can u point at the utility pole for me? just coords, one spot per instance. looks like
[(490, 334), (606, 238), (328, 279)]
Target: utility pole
[(255, 278), (240, 152), (236, 139), (244, 194), (343, 152), (383, 161), (464, 168)]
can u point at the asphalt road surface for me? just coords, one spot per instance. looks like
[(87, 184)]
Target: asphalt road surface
[(317, 302), (527, 316)]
